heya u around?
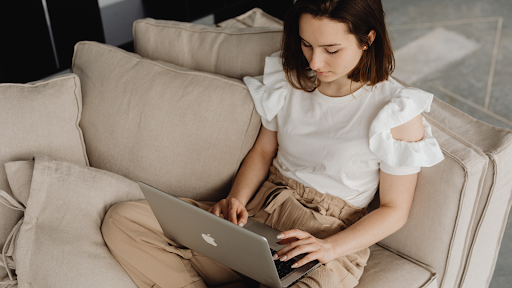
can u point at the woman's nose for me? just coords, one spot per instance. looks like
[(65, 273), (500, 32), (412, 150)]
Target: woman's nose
[(316, 61)]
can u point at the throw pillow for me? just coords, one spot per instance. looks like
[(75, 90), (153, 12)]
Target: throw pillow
[(38, 118), (60, 242), (232, 52), (252, 18), (19, 174)]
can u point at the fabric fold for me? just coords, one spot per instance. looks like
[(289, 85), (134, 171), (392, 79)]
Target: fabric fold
[(409, 103), (8, 250), (269, 90)]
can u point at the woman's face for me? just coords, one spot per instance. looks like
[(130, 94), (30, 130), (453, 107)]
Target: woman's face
[(329, 48)]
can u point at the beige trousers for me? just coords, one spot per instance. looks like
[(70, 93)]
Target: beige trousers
[(136, 240)]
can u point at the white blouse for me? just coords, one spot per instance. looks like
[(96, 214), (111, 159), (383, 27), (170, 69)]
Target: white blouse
[(338, 145)]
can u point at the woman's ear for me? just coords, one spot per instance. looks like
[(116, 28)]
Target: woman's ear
[(371, 37)]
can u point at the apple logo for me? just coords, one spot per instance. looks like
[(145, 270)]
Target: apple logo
[(209, 239)]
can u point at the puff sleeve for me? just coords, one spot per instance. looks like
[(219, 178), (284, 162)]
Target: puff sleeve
[(402, 157), (269, 90)]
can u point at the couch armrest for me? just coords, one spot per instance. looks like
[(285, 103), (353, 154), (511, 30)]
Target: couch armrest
[(461, 205)]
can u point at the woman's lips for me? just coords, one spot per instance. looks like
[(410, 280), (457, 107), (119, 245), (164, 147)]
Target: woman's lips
[(322, 73)]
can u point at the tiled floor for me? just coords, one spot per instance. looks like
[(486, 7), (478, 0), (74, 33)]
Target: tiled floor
[(477, 81)]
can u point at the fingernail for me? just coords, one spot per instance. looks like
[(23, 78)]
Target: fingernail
[(295, 265), (241, 224), (280, 236), (275, 256), (284, 258)]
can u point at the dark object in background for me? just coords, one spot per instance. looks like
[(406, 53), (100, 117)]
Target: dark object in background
[(73, 21), (190, 10), (26, 51)]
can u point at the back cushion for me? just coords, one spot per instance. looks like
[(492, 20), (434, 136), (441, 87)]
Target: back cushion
[(252, 18), (232, 52), (168, 126)]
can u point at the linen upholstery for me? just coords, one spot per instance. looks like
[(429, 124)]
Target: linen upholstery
[(442, 208), (38, 117), (491, 211), (19, 174), (485, 157), (252, 18), (232, 52), (66, 249), (163, 124), (388, 268)]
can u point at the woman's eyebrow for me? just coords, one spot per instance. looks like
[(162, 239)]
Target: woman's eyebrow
[(327, 45)]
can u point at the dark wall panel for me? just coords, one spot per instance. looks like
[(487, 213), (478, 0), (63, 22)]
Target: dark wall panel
[(26, 52), (73, 21), (190, 10)]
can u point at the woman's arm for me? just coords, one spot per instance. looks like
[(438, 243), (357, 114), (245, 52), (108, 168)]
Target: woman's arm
[(396, 194), (253, 172)]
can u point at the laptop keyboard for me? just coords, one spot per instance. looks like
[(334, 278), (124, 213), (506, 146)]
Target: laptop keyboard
[(283, 267)]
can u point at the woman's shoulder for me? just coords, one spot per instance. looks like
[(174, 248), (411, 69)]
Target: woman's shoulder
[(399, 134), (269, 90)]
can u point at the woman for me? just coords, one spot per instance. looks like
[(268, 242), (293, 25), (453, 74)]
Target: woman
[(335, 129)]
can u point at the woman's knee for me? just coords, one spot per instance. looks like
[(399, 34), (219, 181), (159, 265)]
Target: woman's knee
[(114, 219)]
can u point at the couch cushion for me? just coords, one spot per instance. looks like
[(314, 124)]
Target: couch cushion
[(38, 118), (388, 268), (232, 52), (182, 131), (61, 246), (252, 18)]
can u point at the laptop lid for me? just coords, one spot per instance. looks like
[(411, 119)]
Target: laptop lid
[(245, 250)]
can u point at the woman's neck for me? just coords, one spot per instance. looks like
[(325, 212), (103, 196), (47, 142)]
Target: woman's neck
[(339, 88)]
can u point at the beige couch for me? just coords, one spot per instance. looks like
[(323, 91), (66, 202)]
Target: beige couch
[(186, 131)]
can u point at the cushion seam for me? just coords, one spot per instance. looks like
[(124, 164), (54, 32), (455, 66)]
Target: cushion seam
[(433, 273), (28, 85), (153, 62), (213, 31), (77, 122)]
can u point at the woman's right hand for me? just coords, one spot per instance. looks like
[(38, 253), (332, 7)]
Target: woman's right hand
[(231, 210)]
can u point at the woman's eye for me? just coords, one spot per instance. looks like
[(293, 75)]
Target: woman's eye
[(334, 52), (306, 45)]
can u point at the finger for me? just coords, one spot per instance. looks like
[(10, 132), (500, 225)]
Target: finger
[(286, 251), (244, 215), (215, 210), (302, 249), (287, 241), (232, 213), (308, 258), (225, 211), (299, 234)]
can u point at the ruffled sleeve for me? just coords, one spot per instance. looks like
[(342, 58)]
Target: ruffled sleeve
[(402, 157), (269, 90)]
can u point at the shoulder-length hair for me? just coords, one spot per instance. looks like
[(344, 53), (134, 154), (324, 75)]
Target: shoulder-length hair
[(361, 16)]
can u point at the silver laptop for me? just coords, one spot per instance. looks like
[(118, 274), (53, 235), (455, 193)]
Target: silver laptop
[(247, 250)]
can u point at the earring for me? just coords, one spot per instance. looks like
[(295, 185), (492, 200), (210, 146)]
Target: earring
[(365, 47)]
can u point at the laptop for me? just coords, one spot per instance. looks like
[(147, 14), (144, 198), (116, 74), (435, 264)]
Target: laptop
[(247, 250)]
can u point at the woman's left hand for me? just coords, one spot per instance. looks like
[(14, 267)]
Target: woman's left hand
[(301, 242)]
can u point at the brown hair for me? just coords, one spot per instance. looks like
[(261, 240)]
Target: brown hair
[(361, 16)]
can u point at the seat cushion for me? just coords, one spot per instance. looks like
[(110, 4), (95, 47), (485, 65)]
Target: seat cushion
[(182, 131), (38, 118), (389, 268), (232, 52)]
